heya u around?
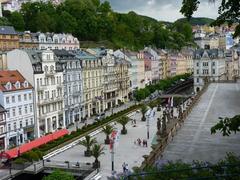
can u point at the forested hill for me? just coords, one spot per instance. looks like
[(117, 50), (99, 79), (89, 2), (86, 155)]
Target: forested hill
[(95, 21), (197, 20)]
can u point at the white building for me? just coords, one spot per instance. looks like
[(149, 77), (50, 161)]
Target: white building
[(44, 71), (209, 65), (16, 96)]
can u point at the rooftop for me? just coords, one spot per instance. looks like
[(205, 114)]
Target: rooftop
[(7, 30)]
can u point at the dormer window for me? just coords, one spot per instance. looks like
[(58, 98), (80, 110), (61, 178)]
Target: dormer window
[(17, 85), (8, 86), (25, 84)]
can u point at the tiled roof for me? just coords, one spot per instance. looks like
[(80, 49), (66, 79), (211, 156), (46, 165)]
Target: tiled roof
[(12, 77), (7, 30)]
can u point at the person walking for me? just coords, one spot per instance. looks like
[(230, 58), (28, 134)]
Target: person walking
[(124, 167)]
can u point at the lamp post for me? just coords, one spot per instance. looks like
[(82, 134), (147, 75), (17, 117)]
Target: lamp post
[(148, 125)]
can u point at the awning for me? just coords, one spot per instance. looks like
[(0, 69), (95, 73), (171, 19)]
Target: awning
[(33, 144)]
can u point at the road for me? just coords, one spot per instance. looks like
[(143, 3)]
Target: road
[(194, 140)]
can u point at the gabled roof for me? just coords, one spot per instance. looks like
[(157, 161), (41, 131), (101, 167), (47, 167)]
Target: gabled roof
[(12, 77), (7, 30)]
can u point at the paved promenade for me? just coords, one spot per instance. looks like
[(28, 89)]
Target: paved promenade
[(194, 140), (126, 150)]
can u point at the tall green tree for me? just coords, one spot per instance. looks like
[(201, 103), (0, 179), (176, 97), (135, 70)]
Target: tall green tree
[(16, 19)]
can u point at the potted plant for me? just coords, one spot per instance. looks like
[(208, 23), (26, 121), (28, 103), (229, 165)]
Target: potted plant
[(88, 142), (97, 151), (108, 129), (123, 121), (144, 109)]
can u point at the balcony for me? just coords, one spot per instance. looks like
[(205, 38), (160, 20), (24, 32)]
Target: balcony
[(50, 73), (76, 93), (50, 100), (41, 87)]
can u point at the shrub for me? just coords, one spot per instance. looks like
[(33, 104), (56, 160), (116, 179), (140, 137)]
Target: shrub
[(20, 160)]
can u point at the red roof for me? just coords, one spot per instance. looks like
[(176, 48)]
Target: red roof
[(12, 76), (33, 144)]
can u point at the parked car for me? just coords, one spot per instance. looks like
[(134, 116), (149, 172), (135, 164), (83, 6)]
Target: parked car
[(100, 117)]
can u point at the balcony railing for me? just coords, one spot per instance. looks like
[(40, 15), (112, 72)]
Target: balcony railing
[(50, 100)]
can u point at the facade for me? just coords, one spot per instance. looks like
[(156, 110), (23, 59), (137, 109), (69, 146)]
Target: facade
[(188, 54), (72, 82), (8, 38), (147, 67), (16, 96), (48, 41), (93, 79), (172, 65), (45, 72), (3, 61), (209, 65), (156, 71), (110, 79), (2, 128), (181, 64)]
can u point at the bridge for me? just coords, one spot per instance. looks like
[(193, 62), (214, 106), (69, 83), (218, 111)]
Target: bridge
[(175, 95)]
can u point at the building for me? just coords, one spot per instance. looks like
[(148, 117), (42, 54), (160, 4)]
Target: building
[(110, 81), (48, 41), (209, 66), (93, 79), (188, 54), (181, 64), (73, 90), (44, 71), (147, 66), (3, 61), (16, 96), (8, 38), (172, 65), (2, 128)]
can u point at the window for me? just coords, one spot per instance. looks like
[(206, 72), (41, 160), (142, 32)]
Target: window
[(197, 80), (19, 111), (197, 71), (213, 63), (31, 108), (213, 71), (9, 127), (1, 130), (20, 124), (8, 113), (26, 122), (31, 120), (25, 97), (15, 125), (14, 112), (30, 96), (13, 99), (19, 98), (7, 100), (25, 109)]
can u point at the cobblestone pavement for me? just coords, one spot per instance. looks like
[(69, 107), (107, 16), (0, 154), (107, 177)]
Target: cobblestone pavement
[(126, 150), (194, 140)]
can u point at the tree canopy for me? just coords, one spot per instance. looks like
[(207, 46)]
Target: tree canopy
[(94, 20)]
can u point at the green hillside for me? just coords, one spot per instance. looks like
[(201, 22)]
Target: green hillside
[(197, 20)]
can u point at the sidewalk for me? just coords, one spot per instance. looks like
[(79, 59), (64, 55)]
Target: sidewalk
[(107, 113)]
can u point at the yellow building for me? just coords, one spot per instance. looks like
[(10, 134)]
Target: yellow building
[(28, 40), (181, 64), (3, 61), (8, 38)]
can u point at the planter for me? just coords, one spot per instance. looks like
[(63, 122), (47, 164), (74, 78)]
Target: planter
[(96, 165), (87, 153), (143, 118), (123, 131)]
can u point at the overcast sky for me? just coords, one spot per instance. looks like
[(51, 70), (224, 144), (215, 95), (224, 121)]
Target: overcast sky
[(166, 10)]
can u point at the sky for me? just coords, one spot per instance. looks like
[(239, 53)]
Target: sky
[(165, 10)]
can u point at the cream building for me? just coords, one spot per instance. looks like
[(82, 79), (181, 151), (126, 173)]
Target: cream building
[(93, 79)]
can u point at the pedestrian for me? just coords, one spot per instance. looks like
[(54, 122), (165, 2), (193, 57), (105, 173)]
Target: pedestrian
[(124, 167), (143, 142), (146, 143), (135, 122)]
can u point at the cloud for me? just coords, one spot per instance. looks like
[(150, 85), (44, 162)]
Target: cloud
[(166, 10)]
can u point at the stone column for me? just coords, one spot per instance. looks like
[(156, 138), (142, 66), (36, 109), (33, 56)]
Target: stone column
[(46, 125)]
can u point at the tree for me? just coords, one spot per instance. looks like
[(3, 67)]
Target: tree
[(144, 109), (227, 125), (108, 129), (88, 143), (123, 121), (228, 12), (97, 151), (57, 175), (16, 19)]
